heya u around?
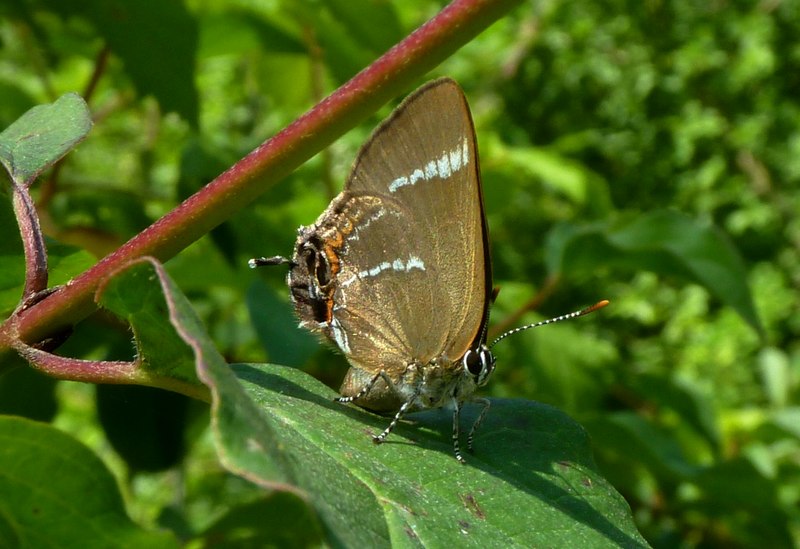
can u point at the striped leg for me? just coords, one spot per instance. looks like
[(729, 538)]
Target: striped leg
[(366, 389), (486, 404), (377, 439), (457, 430)]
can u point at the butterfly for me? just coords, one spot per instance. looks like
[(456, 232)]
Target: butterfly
[(396, 271)]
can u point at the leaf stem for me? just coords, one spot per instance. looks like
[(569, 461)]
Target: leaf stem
[(32, 242), (106, 371)]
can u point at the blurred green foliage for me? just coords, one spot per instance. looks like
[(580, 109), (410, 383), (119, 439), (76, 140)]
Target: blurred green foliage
[(590, 115)]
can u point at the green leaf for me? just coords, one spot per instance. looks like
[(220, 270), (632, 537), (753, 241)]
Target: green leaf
[(694, 408), (43, 135), (663, 241), (788, 420), (144, 425), (530, 458), (278, 520), (776, 375), (136, 294), (12, 259), (736, 489), (114, 211), (625, 434), (171, 339), (57, 493), (526, 164), (64, 261), (351, 34), (239, 33), (26, 392)]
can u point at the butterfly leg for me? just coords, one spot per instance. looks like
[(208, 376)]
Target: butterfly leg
[(366, 388), (377, 439), (457, 430), (478, 421)]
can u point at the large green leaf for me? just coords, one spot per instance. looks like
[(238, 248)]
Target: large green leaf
[(531, 482), (281, 519), (57, 493)]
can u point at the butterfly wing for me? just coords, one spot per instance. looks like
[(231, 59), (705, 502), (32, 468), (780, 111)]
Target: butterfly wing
[(414, 271)]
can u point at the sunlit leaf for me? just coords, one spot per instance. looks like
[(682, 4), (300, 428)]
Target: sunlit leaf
[(37, 139)]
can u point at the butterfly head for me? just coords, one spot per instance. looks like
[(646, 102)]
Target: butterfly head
[(478, 364)]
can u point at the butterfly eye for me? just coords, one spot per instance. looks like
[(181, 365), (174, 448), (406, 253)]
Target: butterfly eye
[(479, 363)]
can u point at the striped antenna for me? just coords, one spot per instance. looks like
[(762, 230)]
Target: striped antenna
[(568, 316)]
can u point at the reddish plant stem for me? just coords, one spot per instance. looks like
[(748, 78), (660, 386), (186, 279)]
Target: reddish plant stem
[(100, 65), (387, 77), (106, 371), (32, 242)]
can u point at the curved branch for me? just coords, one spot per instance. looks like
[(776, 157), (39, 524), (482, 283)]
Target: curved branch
[(233, 190)]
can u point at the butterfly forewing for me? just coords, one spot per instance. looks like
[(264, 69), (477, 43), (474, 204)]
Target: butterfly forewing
[(413, 282)]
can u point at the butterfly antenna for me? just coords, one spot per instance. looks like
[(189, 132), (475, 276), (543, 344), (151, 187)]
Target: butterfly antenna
[(269, 261), (568, 316)]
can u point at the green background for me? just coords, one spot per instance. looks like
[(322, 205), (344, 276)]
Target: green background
[(643, 152)]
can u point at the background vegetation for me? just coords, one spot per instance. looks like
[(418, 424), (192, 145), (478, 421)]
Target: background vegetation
[(617, 138)]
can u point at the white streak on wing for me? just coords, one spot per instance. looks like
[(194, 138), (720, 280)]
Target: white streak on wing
[(398, 265), (430, 170), (415, 263), (339, 335), (376, 270), (443, 167), (399, 182), (455, 160)]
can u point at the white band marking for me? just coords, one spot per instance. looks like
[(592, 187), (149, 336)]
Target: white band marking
[(398, 265), (339, 335), (442, 167)]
